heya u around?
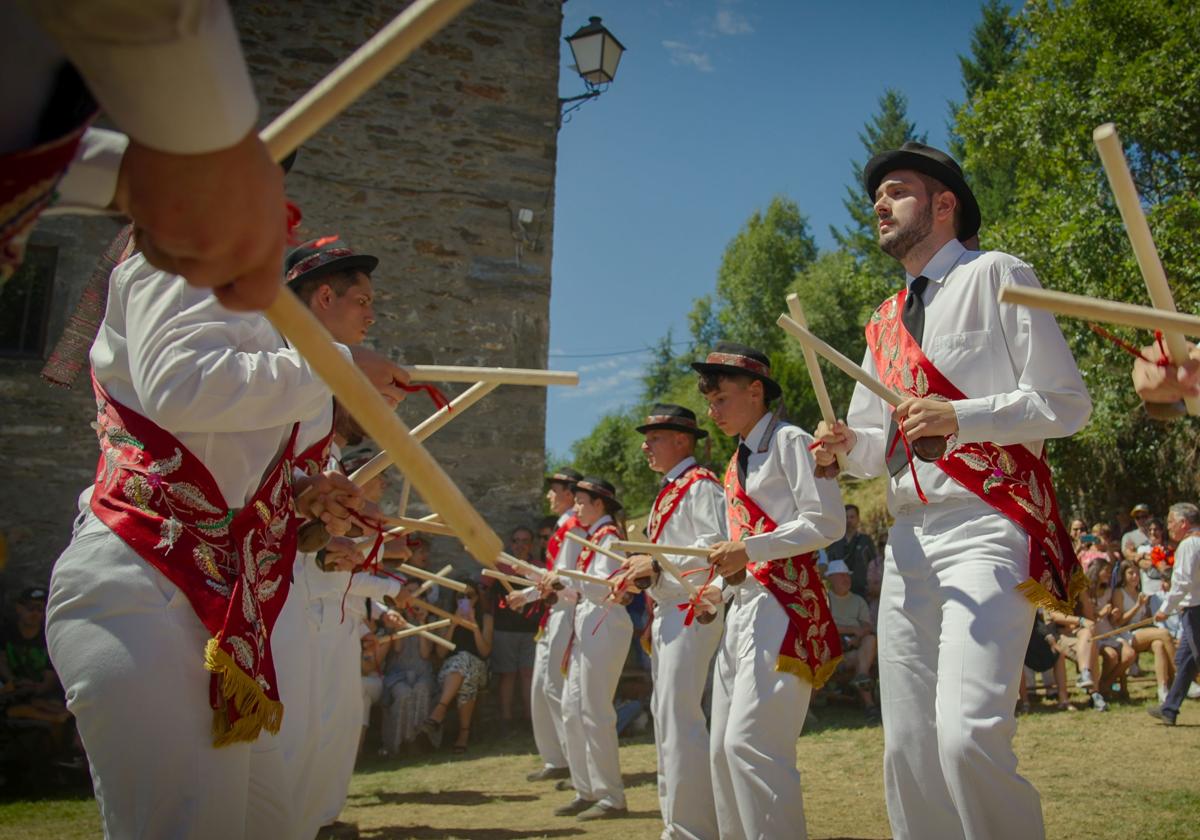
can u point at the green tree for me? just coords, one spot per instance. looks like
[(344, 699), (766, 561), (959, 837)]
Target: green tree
[(758, 268), (890, 128), (995, 50), (662, 369), (703, 324), (1083, 63)]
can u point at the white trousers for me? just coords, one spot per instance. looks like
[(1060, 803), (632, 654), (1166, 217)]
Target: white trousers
[(339, 703), (589, 717), (680, 667), (281, 765), (130, 653), (953, 631), (757, 715), (546, 691)]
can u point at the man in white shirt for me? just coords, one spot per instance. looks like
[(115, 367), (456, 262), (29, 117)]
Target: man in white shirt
[(139, 622), (1131, 540), (689, 510), (205, 195), (978, 538), (1183, 524), (554, 635), (780, 640)]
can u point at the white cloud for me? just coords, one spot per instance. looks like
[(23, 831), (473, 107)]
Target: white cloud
[(613, 387), (730, 22), (685, 55)]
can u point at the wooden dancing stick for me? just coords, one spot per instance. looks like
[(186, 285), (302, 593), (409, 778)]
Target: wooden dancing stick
[(513, 579), (403, 524), (586, 578), (1104, 311), (1108, 144), (427, 585), (814, 373), (438, 611), (839, 361), (494, 375), (353, 77), (1145, 622), (424, 429), (586, 543), (419, 630), (449, 583), (659, 550)]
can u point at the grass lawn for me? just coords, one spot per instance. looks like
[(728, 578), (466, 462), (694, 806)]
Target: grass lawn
[(1115, 775)]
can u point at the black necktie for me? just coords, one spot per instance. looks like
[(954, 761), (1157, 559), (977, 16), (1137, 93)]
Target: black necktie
[(743, 460), (913, 318)]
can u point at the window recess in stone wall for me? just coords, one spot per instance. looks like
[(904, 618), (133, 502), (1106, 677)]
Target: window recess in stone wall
[(25, 305)]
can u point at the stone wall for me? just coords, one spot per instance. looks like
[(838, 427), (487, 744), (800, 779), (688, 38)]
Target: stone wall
[(429, 172)]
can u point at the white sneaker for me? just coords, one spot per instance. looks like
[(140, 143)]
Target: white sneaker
[(1162, 694), (1098, 702), (1194, 691), (1085, 679)]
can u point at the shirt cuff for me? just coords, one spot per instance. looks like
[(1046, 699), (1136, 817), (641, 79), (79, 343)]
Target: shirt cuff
[(188, 96), (90, 183), (759, 548), (974, 419)]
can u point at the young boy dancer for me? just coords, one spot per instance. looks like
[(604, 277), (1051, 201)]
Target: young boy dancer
[(688, 511), (780, 638)]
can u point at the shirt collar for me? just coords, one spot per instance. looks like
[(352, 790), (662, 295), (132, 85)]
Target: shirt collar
[(603, 520), (754, 439), (679, 468), (939, 264)]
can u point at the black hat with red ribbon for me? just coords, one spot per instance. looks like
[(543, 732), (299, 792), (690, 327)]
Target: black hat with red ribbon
[(675, 418), (598, 488), (733, 359), (319, 257)]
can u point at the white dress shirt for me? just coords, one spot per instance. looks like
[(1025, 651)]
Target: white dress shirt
[(223, 383), (698, 520), (169, 73), (1185, 577), (807, 510), (1011, 362)]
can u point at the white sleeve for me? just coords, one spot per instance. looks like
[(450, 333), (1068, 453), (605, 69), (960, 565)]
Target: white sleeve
[(1051, 400), (820, 517), (189, 375), (869, 418), (602, 566), (375, 587), (90, 183), (704, 507), (170, 73)]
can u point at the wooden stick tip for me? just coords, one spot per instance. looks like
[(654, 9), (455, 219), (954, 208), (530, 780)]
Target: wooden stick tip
[(1104, 131)]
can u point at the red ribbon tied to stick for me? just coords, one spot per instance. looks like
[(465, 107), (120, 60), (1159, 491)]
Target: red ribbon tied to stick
[(693, 603), (439, 399)]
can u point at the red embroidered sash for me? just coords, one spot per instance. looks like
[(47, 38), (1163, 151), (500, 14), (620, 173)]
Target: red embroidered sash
[(1010, 479), (811, 646), (670, 497), (584, 561), (234, 566), (554, 544)]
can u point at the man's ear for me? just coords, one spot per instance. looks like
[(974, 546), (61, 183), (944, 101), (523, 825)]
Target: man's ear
[(323, 296), (944, 205)]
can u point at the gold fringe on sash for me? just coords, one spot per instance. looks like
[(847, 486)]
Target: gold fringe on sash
[(256, 711), (1047, 600), (792, 665)]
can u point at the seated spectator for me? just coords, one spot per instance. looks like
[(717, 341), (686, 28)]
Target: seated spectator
[(407, 683), (1130, 605), (26, 676), (1115, 652), (1130, 540), (1077, 529), (856, 550), (1153, 556), (513, 650), (1045, 653), (464, 672), (853, 619)]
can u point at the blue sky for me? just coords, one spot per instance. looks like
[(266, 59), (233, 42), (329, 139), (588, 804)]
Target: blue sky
[(718, 106)]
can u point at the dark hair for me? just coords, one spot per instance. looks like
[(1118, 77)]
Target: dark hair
[(519, 529), (550, 522), (340, 281), (853, 508), (611, 508), (710, 382), (483, 602), (933, 185)]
